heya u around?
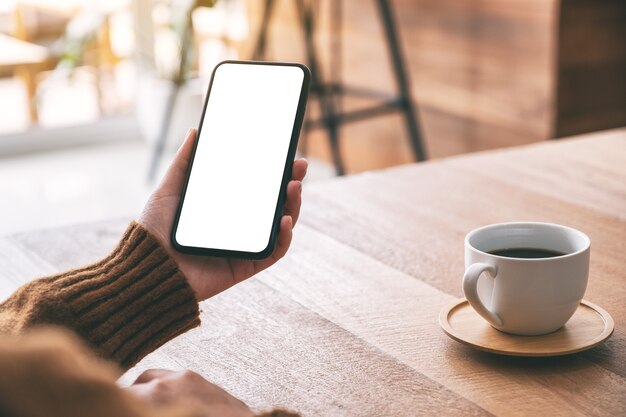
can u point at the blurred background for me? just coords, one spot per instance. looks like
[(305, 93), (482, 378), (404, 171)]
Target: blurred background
[(96, 96)]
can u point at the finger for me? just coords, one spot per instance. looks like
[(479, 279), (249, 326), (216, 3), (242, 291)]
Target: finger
[(300, 167), (284, 240), (150, 374), (294, 200), (175, 176)]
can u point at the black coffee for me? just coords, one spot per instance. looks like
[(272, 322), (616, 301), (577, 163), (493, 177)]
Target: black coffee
[(533, 253)]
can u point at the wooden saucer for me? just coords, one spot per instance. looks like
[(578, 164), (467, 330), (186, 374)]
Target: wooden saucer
[(589, 326)]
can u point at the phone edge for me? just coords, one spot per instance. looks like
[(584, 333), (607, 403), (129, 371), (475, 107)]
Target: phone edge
[(287, 172)]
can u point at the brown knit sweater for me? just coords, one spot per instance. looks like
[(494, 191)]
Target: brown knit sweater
[(122, 307)]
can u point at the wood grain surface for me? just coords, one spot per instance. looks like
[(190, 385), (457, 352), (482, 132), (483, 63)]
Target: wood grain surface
[(347, 323)]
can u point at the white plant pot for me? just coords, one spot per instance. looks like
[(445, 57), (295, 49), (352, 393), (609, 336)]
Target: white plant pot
[(152, 95)]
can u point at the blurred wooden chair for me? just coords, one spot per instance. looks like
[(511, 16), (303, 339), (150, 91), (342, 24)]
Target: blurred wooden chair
[(39, 25), (36, 26), (24, 60)]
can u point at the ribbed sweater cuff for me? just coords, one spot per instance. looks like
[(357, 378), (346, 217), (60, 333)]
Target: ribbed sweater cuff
[(131, 302)]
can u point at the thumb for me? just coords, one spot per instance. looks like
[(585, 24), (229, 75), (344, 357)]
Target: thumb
[(175, 176)]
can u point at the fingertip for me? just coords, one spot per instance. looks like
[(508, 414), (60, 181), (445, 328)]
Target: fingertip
[(300, 167), (185, 150), (175, 175), (191, 133), (288, 220), (284, 237), (150, 374), (294, 201), (294, 186)]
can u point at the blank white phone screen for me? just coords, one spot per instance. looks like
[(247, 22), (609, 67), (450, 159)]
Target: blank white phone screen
[(237, 170)]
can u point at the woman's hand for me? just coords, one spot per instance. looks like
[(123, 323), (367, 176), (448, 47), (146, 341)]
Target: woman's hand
[(209, 275), (168, 388)]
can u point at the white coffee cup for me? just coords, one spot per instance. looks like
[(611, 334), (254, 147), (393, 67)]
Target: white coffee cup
[(526, 296)]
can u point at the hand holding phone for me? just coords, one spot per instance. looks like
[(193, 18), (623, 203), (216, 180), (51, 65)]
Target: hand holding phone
[(237, 170), (241, 163), (206, 275)]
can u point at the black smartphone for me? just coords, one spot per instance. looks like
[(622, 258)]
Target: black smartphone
[(232, 201)]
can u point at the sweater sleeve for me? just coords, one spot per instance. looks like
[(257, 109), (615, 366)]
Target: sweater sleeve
[(123, 307)]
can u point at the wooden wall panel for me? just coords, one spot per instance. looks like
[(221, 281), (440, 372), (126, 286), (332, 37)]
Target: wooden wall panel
[(592, 66), (483, 72)]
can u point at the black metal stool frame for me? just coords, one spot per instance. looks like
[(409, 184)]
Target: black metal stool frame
[(328, 93)]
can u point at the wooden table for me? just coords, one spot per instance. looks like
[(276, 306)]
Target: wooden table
[(346, 324)]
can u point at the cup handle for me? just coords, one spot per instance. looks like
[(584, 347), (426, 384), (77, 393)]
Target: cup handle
[(470, 281)]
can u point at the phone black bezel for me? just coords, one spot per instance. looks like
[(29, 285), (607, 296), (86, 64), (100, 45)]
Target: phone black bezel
[(287, 171)]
